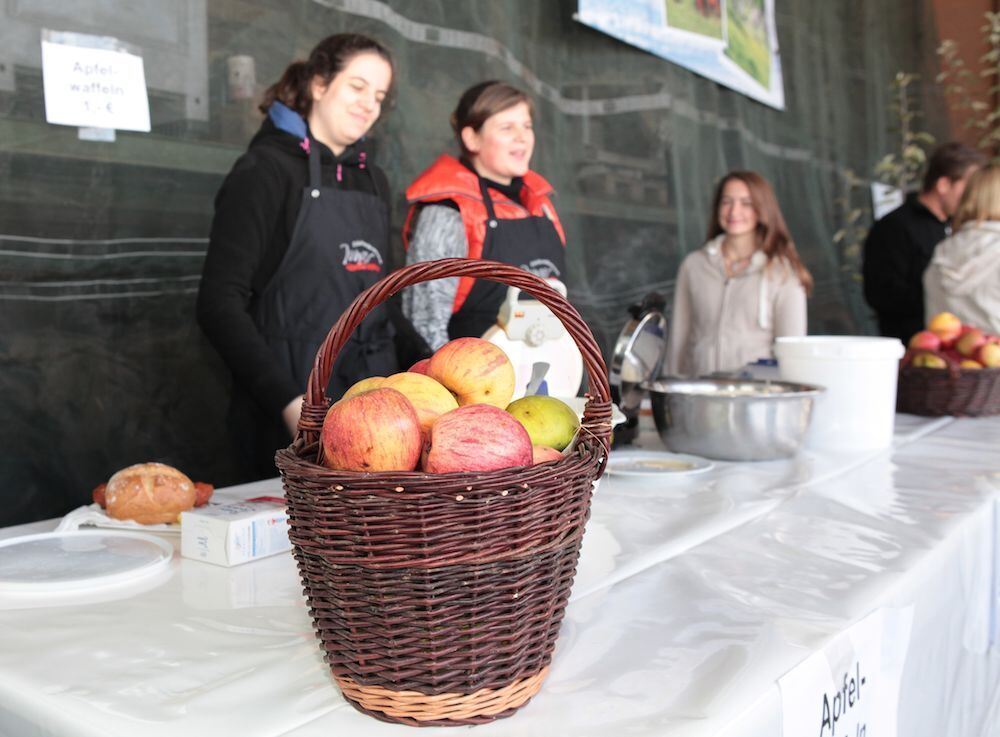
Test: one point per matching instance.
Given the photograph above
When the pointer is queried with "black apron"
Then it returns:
(531, 243)
(338, 248)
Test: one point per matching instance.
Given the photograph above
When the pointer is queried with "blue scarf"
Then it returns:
(286, 119)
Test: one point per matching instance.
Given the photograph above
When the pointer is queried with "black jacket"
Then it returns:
(255, 215)
(897, 250)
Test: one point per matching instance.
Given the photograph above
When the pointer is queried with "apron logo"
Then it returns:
(543, 268)
(361, 256)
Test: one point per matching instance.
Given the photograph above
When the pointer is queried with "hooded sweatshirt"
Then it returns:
(255, 215)
(964, 276)
(722, 323)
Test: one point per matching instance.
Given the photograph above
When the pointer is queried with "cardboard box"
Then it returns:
(235, 533)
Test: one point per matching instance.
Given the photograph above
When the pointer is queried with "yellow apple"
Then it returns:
(929, 360)
(365, 385)
(549, 421)
(475, 371)
(429, 398)
(945, 326)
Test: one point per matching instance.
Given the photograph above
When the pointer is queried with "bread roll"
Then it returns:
(149, 493)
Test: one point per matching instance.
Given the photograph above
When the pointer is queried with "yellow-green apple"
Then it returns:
(544, 454)
(968, 363)
(970, 342)
(945, 326)
(929, 360)
(549, 421)
(925, 340)
(989, 355)
(377, 430)
(477, 437)
(475, 371)
(365, 385)
(420, 367)
(428, 397)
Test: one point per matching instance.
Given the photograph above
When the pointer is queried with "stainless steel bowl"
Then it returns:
(732, 419)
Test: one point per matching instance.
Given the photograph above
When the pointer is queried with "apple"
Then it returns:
(549, 421)
(420, 367)
(968, 363)
(477, 437)
(945, 326)
(969, 343)
(925, 340)
(428, 397)
(475, 371)
(544, 454)
(989, 355)
(365, 385)
(929, 360)
(377, 430)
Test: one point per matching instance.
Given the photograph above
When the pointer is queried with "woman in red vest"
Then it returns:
(485, 204)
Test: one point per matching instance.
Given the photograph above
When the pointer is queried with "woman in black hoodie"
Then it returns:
(301, 227)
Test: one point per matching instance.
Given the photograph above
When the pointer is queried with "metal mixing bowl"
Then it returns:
(732, 419)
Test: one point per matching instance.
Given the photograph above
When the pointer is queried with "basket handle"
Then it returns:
(597, 411)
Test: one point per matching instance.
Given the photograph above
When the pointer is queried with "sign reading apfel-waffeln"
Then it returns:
(94, 88)
(851, 687)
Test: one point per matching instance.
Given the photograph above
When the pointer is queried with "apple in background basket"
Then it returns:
(968, 363)
(475, 371)
(477, 437)
(420, 367)
(929, 360)
(945, 326)
(428, 397)
(925, 340)
(544, 454)
(989, 355)
(377, 430)
(969, 343)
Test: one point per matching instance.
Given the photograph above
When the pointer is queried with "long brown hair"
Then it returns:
(773, 237)
(481, 102)
(326, 61)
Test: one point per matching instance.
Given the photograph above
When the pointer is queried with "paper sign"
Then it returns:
(851, 687)
(885, 199)
(94, 88)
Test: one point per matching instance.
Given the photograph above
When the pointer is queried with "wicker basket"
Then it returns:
(437, 598)
(951, 391)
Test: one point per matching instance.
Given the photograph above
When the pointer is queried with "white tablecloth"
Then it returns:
(692, 598)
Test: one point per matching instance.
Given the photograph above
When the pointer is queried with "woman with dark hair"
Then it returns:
(486, 204)
(301, 227)
(742, 289)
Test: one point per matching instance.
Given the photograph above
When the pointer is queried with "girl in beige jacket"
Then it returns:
(740, 291)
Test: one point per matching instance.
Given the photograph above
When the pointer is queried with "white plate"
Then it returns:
(655, 463)
(59, 562)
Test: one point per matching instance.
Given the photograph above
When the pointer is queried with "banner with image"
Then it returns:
(732, 42)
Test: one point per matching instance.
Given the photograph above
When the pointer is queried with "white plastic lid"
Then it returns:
(839, 347)
(60, 562)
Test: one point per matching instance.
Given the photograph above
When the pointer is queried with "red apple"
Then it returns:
(544, 454)
(377, 430)
(968, 343)
(989, 355)
(477, 437)
(420, 367)
(475, 371)
(925, 340)
(945, 326)
(428, 397)
(929, 360)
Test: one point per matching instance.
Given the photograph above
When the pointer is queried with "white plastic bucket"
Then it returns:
(858, 409)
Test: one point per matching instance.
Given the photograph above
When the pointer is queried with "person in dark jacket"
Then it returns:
(900, 246)
(301, 227)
